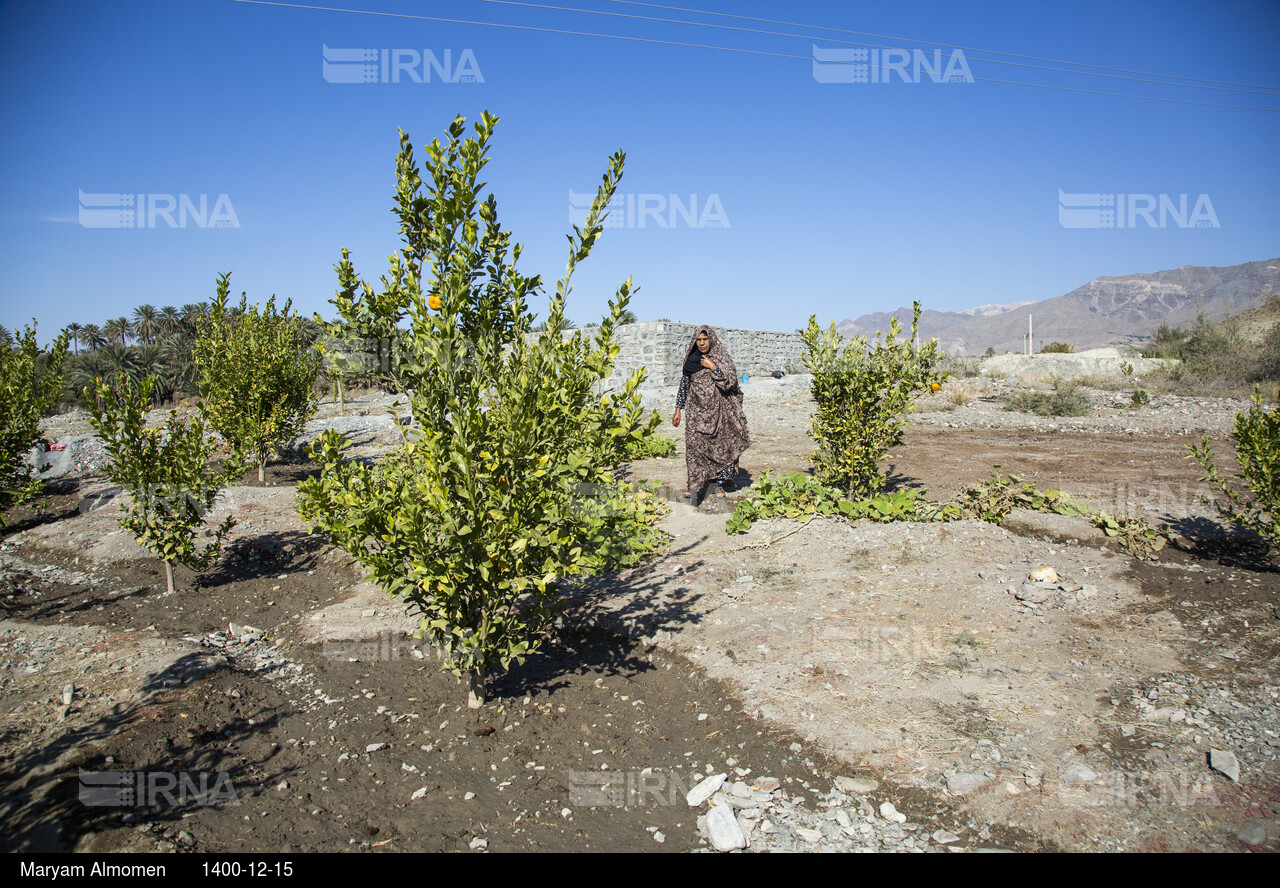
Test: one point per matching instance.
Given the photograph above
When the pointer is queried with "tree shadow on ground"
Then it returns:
(52, 794)
(1229, 546)
(263, 555)
(603, 624)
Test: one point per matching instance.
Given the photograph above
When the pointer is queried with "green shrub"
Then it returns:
(166, 472)
(1257, 443)
(796, 495)
(257, 377)
(1066, 399)
(1140, 398)
(1169, 342)
(30, 384)
(863, 395)
(1059, 348)
(503, 489)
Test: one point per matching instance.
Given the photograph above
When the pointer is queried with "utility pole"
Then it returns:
(1029, 334)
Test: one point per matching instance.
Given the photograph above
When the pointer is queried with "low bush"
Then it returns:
(1058, 348)
(1257, 442)
(1067, 399)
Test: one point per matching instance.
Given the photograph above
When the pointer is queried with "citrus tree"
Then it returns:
(502, 488)
(167, 473)
(257, 375)
(863, 393)
(1257, 440)
(30, 383)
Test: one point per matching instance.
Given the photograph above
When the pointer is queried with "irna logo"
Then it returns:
(397, 65)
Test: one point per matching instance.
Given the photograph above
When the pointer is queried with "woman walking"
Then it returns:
(716, 434)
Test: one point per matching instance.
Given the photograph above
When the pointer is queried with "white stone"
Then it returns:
(417, 794)
(1079, 773)
(722, 829)
(705, 789)
(1225, 762)
(890, 813)
(809, 835)
(856, 785)
(1044, 574)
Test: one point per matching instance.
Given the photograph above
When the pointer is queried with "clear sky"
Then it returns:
(774, 186)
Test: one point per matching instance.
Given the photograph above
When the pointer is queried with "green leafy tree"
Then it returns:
(1257, 441)
(30, 384)
(503, 487)
(863, 395)
(257, 378)
(166, 472)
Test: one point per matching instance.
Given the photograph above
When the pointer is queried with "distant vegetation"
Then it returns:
(1218, 359)
(1058, 348)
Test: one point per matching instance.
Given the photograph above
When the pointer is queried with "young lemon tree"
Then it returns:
(30, 382)
(166, 472)
(1257, 439)
(257, 378)
(503, 486)
(863, 395)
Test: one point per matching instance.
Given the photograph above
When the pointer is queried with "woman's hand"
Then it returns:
(675, 418)
(708, 363)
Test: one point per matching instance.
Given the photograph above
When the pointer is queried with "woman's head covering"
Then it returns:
(693, 357)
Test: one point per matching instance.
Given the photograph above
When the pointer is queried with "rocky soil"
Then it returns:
(826, 686)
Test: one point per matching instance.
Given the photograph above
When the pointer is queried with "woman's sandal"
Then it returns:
(719, 492)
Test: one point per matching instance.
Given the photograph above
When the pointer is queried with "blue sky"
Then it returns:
(832, 198)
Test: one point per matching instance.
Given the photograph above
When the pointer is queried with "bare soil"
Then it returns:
(801, 652)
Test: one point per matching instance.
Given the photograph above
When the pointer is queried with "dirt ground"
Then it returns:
(896, 654)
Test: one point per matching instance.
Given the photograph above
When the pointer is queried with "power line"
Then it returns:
(1268, 91)
(782, 55)
(947, 45)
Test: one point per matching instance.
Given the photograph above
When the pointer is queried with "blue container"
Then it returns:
(744, 377)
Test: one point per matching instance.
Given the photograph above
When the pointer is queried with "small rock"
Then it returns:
(1253, 834)
(478, 844)
(796, 747)
(740, 790)
(417, 794)
(185, 838)
(68, 694)
(856, 785)
(809, 835)
(1044, 574)
(705, 789)
(768, 784)
(1034, 593)
(468, 796)
(959, 784)
(1225, 763)
(374, 747)
(1079, 773)
(890, 813)
(722, 829)
(368, 613)
(1128, 730)
(282, 785)
(942, 837)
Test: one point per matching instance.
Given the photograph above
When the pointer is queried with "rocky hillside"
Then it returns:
(1105, 311)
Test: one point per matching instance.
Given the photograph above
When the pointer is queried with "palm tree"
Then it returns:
(74, 330)
(6, 338)
(93, 338)
(146, 322)
(118, 328)
(170, 320)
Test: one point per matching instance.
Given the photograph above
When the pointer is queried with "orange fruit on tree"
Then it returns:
(434, 302)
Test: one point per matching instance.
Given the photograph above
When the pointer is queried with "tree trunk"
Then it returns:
(168, 574)
(475, 693)
(262, 472)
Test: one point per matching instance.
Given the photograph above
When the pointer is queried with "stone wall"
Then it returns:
(659, 346)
